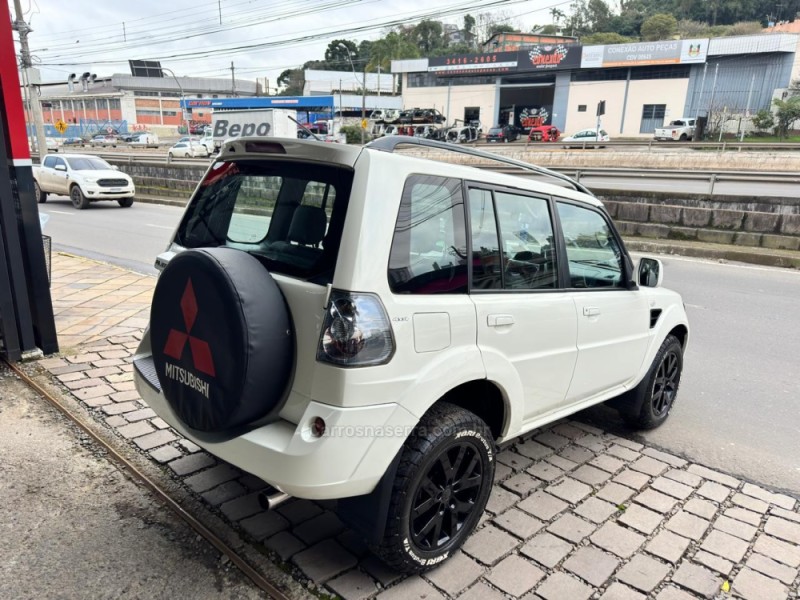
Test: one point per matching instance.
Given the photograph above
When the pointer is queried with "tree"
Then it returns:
(787, 112)
(763, 120)
(598, 15)
(392, 47)
(605, 38)
(659, 27)
(292, 81)
(469, 29)
(501, 28)
(339, 53)
(428, 36)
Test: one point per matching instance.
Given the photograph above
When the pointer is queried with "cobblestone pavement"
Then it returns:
(576, 513)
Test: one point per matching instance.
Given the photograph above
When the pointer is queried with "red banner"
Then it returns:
(9, 87)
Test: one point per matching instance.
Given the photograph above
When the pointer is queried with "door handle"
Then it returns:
(499, 320)
(591, 311)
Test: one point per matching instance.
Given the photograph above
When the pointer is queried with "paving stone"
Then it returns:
(592, 442)
(684, 477)
(754, 586)
(72, 376)
(707, 473)
(672, 488)
(783, 529)
(125, 386)
(632, 479)
(140, 415)
(514, 460)
(97, 402)
(413, 588)
(767, 566)
(561, 462)
(545, 471)
(570, 490)
(641, 518)
(735, 528)
(82, 358)
(623, 453)
(353, 585)
(783, 514)
(576, 454)
(191, 464)
(328, 559)
(618, 540)
(750, 503)
(552, 440)
(500, 500)
(590, 475)
(95, 391)
(211, 478)
(455, 574)
(673, 593)
(83, 382)
(190, 447)
(518, 523)
(650, 466)
(546, 549)
(153, 440)
(783, 552)
(534, 450)
(160, 423)
(515, 575)
(560, 586)
(108, 362)
(299, 511)
(501, 471)
(164, 454)
(326, 525)
(697, 579)
(569, 431)
(264, 524)
(489, 544)
(668, 546)
(353, 543)
(670, 459)
(714, 491)
(522, 484)
(571, 528)
(714, 562)
(241, 507)
(379, 570)
(615, 493)
(119, 421)
(724, 545)
(125, 396)
(687, 525)
(592, 565)
(52, 363)
(542, 505)
(70, 369)
(224, 493)
(643, 573)
(607, 463)
(701, 508)
(481, 591)
(595, 510)
(778, 499)
(617, 591)
(630, 444)
(135, 430)
(746, 516)
(586, 427)
(655, 500)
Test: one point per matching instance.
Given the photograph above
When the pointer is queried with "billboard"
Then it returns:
(543, 57)
(473, 64)
(645, 53)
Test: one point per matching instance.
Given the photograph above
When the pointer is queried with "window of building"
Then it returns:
(581, 108)
(599, 75)
(661, 72)
(433, 80)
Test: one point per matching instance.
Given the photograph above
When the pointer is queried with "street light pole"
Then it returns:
(363, 88)
(181, 102)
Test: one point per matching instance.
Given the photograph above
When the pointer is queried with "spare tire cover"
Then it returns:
(221, 338)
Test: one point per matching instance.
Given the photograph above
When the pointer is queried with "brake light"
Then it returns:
(355, 332)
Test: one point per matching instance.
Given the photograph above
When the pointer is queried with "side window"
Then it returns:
(486, 260)
(59, 161)
(49, 161)
(527, 242)
(254, 204)
(428, 254)
(595, 260)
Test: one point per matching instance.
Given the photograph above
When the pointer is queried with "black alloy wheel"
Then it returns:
(665, 386)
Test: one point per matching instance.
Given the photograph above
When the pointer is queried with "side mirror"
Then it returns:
(115, 167)
(60, 168)
(651, 272)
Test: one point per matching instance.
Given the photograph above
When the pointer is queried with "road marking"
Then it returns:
(60, 212)
(170, 227)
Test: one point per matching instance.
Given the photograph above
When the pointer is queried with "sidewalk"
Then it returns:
(576, 512)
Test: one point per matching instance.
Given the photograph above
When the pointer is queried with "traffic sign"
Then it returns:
(61, 126)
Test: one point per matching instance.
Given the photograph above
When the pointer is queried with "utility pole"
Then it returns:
(363, 104)
(233, 79)
(33, 93)
(219, 5)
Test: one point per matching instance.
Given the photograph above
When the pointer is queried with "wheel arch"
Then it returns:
(484, 399)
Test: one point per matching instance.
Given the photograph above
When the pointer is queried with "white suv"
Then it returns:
(352, 323)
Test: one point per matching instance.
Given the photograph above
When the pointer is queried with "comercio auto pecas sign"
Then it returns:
(645, 53)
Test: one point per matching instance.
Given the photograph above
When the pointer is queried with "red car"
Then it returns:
(544, 133)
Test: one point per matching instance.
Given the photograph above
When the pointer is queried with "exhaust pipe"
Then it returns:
(271, 498)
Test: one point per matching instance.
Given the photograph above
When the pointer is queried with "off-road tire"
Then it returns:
(79, 201)
(648, 405)
(125, 202)
(446, 432)
(41, 197)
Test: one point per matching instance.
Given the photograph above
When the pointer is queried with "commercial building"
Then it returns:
(642, 84)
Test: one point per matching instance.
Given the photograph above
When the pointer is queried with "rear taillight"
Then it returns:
(355, 332)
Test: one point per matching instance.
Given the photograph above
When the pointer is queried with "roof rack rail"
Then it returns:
(390, 143)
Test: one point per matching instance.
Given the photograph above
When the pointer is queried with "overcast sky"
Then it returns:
(261, 37)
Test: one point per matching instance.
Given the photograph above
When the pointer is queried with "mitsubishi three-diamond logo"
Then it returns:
(176, 341)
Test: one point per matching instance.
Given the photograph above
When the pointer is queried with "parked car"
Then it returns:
(502, 133)
(74, 141)
(400, 354)
(544, 133)
(103, 140)
(190, 149)
(461, 135)
(430, 132)
(144, 139)
(387, 115)
(84, 178)
(585, 136)
(678, 130)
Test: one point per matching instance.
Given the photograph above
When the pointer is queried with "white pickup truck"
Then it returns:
(82, 177)
(680, 130)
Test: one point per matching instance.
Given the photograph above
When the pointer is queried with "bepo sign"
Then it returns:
(224, 129)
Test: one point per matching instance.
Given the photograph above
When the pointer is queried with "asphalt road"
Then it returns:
(738, 404)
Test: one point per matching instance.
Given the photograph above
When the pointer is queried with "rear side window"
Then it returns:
(428, 254)
(288, 215)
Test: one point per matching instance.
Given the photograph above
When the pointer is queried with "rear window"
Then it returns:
(495, 130)
(288, 215)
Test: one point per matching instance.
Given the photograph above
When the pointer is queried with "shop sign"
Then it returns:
(473, 64)
(549, 57)
(645, 53)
